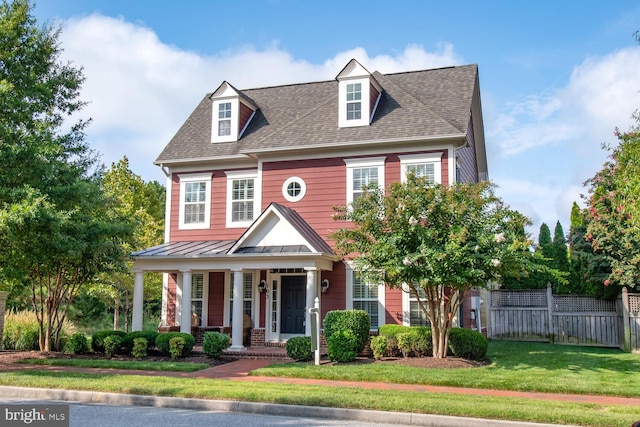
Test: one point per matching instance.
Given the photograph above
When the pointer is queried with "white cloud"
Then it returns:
(141, 90)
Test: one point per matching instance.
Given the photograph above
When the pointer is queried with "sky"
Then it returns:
(556, 77)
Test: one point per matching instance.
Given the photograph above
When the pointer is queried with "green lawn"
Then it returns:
(176, 366)
(515, 366)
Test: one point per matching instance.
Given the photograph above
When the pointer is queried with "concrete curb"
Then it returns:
(259, 408)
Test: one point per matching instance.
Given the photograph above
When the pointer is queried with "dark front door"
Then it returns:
(294, 296)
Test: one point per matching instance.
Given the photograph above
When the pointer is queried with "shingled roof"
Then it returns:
(413, 106)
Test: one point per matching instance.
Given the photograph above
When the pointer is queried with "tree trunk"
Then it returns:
(116, 314)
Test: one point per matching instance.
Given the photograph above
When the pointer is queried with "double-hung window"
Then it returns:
(363, 173)
(417, 316)
(422, 165)
(242, 198)
(365, 296)
(195, 201)
(354, 101)
(198, 297)
(224, 119)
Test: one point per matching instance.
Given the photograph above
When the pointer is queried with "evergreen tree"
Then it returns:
(559, 249)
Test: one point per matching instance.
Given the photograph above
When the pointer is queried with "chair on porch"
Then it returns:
(246, 328)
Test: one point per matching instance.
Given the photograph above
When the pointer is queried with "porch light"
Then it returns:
(324, 286)
(262, 286)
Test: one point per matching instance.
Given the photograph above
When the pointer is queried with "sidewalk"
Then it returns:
(239, 370)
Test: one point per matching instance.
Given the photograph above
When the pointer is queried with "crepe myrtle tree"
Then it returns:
(443, 240)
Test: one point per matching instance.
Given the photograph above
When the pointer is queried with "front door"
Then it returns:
(294, 296)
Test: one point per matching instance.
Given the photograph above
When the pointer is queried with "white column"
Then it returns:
(165, 299)
(138, 296)
(312, 292)
(185, 315)
(237, 331)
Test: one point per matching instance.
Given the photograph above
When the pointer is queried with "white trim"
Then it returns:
(365, 94)
(451, 158)
(235, 113)
(423, 158)
(205, 295)
(349, 294)
(201, 177)
(366, 162)
(167, 208)
(285, 189)
(257, 192)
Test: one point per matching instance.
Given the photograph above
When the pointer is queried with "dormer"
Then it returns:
(359, 94)
(231, 113)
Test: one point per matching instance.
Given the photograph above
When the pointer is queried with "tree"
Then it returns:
(560, 260)
(55, 231)
(613, 221)
(443, 240)
(544, 241)
(143, 204)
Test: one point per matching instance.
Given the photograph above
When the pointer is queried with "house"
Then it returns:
(252, 178)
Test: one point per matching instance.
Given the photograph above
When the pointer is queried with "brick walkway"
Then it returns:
(239, 371)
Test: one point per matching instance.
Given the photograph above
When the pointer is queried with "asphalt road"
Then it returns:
(100, 415)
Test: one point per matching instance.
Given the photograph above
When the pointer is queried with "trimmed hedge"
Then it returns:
(392, 330)
(299, 348)
(355, 321)
(128, 340)
(214, 343)
(468, 344)
(97, 339)
(163, 342)
(341, 346)
(76, 344)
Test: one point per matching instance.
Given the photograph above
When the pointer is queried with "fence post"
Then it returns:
(550, 313)
(487, 307)
(626, 325)
(3, 302)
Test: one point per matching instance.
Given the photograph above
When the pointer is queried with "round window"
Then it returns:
(294, 189)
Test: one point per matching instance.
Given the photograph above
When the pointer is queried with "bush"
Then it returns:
(214, 343)
(356, 321)
(299, 348)
(176, 347)
(162, 342)
(468, 344)
(77, 344)
(112, 345)
(392, 330)
(97, 339)
(342, 346)
(140, 346)
(128, 340)
(379, 346)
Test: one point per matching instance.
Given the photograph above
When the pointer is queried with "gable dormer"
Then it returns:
(359, 94)
(231, 113)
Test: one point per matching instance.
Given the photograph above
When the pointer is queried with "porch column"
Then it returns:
(165, 299)
(312, 292)
(238, 318)
(185, 315)
(138, 294)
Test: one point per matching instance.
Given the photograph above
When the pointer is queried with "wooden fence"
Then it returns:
(538, 315)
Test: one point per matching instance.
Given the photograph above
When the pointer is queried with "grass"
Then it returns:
(120, 364)
(515, 366)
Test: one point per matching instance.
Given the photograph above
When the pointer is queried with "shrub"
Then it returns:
(379, 346)
(299, 348)
(392, 330)
(342, 346)
(214, 343)
(176, 347)
(129, 338)
(468, 344)
(112, 345)
(77, 344)
(139, 349)
(97, 339)
(356, 321)
(162, 342)
(405, 342)
(423, 342)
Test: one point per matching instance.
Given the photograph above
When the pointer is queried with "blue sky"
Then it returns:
(556, 77)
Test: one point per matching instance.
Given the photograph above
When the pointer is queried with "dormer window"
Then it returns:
(359, 94)
(232, 113)
(224, 119)
(354, 104)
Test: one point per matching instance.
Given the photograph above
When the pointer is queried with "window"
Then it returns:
(294, 189)
(354, 104)
(362, 173)
(242, 195)
(195, 197)
(417, 317)
(247, 296)
(224, 119)
(365, 297)
(422, 165)
(197, 297)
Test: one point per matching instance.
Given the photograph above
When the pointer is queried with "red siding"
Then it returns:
(373, 96)
(393, 306)
(335, 298)
(216, 299)
(245, 114)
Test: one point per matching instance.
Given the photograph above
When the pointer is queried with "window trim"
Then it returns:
(285, 189)
(419, 159)
(190, 178)
(365, 108)
(368, 162)
(232, 118)
(205, 296)
(349, 295)
(238, 175)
